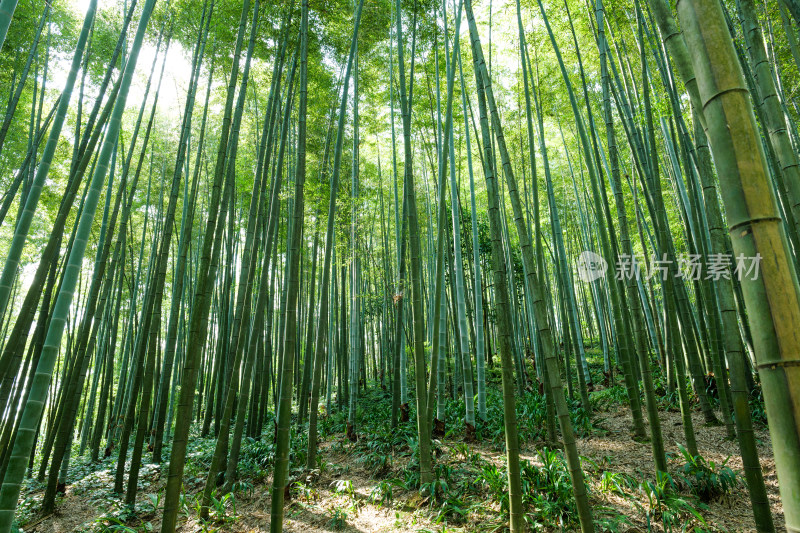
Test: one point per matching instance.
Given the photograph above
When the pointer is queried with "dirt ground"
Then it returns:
(324, 508)
(623, 454)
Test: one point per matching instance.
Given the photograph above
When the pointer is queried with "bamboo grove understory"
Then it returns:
(233, 220)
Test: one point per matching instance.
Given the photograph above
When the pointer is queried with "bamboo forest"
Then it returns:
(399, 265)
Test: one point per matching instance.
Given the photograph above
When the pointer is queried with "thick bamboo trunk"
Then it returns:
(773, 298)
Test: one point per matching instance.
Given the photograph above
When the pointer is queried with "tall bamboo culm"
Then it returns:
(756, 230)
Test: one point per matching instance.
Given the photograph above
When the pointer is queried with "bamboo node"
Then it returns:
(773, 364)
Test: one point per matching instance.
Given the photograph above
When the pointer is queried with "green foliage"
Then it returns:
(127, 519)
(531, 418)
(547, 491)
(343, 486)
(305, 491)
(467, 489)
(257, 456)
(668, 398)
(383, 493)
(666, 505)
(670, 401)
(338, 519)
(27, 509)
(615, 483)
(114, 524)
(705, 478)
(375, 455)
(453, 508)
(605, 399)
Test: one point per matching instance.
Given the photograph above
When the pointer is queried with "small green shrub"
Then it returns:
(665, 504)
(338, 519)
(704, 478)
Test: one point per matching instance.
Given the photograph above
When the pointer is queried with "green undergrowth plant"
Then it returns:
(704, 478)
(338, 519)
(343, 486)
(257, 456)
(119, 517)
(27, 509)
(531, 418)
(126, 520)
(223, 509)
(304, 491)
(606, 399)
(383, 493)
(666, 505)
(546, 487)
(669, 401)
(617, 483)
(547, 491)
(660, 502)
(667, 394)
(113, 524)
(464, 481)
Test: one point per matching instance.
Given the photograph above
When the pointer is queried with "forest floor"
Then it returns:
(369, 486)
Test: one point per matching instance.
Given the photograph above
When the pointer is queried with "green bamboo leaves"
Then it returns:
(26, 218)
